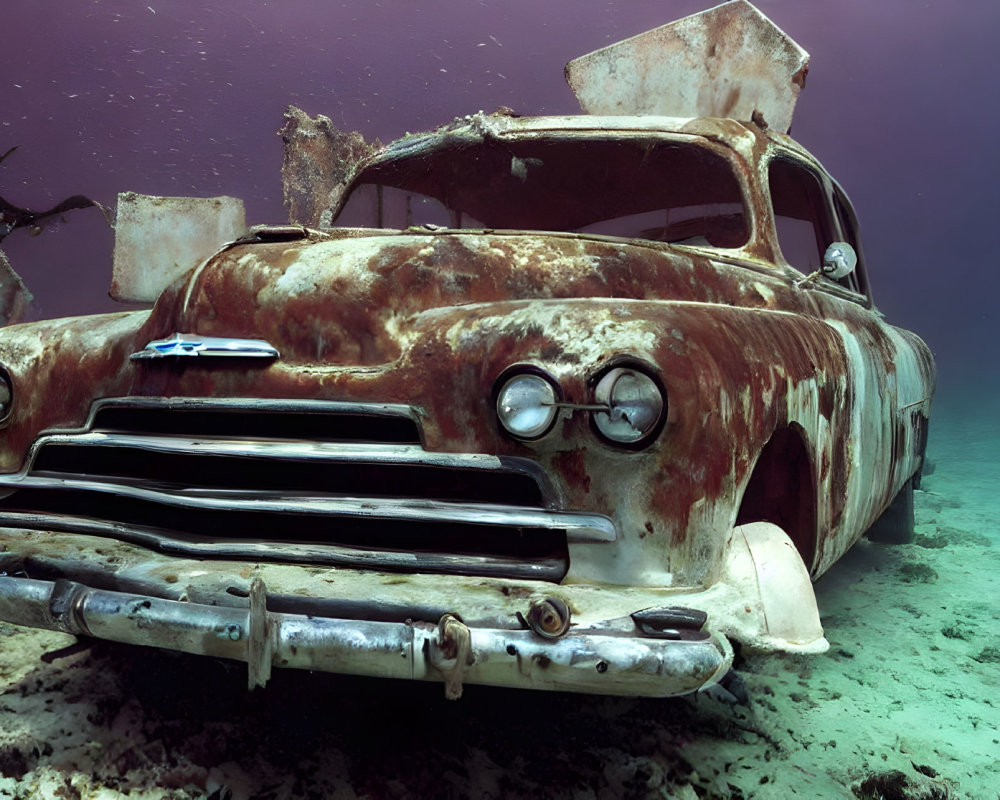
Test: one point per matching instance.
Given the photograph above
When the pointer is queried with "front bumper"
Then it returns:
(370, 554)
(592, 661)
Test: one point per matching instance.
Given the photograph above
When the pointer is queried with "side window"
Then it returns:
(801, 215)
(857, 281)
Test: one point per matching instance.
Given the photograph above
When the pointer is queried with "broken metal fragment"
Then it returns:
(158, 239)
(730, 61)
(14, 295)
(318, 164)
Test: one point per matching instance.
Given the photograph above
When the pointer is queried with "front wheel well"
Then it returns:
(782, 490)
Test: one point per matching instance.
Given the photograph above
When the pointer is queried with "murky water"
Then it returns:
(184, 98)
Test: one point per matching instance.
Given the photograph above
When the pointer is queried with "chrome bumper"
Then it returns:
(590, 661)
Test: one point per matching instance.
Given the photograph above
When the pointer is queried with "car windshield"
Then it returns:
(635, 187)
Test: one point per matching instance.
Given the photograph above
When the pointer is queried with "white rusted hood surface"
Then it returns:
(728, 61)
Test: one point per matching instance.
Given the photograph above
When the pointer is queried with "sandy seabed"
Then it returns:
(905, 703)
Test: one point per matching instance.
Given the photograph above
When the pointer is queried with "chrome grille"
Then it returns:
(336, 484)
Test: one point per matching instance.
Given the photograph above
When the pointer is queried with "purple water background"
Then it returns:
(185, 98)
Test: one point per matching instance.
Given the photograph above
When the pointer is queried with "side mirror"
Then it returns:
(839, 260)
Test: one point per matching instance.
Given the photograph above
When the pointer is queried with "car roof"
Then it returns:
(741, 136)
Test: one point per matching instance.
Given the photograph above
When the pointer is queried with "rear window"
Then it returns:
(636, 188)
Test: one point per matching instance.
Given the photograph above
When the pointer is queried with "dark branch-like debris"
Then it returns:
(13, 217)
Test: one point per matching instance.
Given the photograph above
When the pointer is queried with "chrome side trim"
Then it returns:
(193, 345)
(579, 526)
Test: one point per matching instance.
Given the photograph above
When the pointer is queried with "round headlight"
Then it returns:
(636, 406)
(526, 405)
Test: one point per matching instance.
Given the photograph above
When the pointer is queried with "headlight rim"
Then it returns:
(500, 383)
(5, 414)
(647, 370)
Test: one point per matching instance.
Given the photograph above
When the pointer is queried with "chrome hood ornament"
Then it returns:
(190, 344)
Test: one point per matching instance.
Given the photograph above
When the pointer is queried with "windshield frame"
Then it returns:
(456, 139)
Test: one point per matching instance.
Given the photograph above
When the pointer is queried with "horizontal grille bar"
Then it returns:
(527, 566)
(328, 467)
(578, 526)
(319, 420)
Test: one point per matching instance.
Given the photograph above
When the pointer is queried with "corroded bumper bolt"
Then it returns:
(549, 617)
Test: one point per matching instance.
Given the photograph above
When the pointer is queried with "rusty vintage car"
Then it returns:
(557, 403)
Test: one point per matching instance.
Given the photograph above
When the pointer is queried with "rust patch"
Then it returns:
(572, 466)
(431, 320)
(318, 163)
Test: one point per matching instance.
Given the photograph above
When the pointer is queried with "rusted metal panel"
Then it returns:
(158, 239)
(729, 61)
(319, 162)
(14, 295)
(58, 367)
(385, 326)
